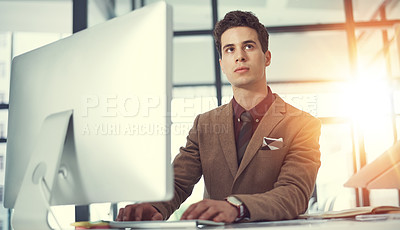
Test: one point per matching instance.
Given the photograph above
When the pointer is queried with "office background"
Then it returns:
(336, 59)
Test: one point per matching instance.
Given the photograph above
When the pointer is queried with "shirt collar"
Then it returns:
(258, 111)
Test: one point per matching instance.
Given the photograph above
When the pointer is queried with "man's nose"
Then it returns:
(241, 56)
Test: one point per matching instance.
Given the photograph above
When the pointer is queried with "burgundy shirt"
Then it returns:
(257, 112)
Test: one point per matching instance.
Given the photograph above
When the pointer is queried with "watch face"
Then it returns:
(235, 201)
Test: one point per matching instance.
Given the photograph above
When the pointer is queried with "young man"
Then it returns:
(265, 165)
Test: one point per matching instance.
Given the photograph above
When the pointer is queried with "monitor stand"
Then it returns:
(32, 205)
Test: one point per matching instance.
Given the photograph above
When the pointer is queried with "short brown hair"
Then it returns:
(240, 18)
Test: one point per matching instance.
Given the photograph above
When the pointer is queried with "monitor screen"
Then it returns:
(91, 115)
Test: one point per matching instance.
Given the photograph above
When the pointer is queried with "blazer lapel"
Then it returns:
(227, 139)
(273, 116)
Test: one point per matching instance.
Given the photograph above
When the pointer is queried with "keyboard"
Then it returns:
(164, 224)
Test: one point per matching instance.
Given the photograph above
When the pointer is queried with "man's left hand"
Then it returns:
(215, 210)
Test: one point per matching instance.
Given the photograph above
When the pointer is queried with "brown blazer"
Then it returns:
(273, 184)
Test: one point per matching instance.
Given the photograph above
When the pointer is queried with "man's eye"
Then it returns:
(229, 50)
(248, 46)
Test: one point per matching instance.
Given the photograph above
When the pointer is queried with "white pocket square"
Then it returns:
(272, 143)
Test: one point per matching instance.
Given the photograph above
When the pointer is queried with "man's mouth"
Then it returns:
(241, 69)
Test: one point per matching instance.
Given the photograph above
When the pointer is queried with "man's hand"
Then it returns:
(215, 210)
(138, 212)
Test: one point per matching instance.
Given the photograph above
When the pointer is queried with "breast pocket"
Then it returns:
(272, 153)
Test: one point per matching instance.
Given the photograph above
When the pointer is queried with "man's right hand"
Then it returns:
(138, 212)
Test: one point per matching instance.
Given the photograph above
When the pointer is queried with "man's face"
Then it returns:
(242, 59)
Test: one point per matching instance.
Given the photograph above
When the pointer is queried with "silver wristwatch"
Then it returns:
(232, 200)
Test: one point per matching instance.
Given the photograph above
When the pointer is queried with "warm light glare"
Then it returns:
(366, 100)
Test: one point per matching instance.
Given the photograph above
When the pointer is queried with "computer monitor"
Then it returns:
(89, 118)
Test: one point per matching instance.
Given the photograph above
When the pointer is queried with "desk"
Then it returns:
(318, 224)
(332, 224)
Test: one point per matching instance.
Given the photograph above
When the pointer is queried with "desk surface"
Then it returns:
(319, 224)
(333, 224)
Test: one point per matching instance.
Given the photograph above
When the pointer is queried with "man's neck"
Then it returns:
(250, 98)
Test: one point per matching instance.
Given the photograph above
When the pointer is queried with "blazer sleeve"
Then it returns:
(295, 184)
(187, 172)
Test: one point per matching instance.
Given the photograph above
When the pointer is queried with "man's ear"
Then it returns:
(220, 64)
(267, 58)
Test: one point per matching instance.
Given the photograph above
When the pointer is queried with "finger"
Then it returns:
(138, 214)
(126, 213)
(188, 210)
(120, 214)
(208, 214)
(148, 212)
(197, 211)
(157, 216)
(222, 217)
